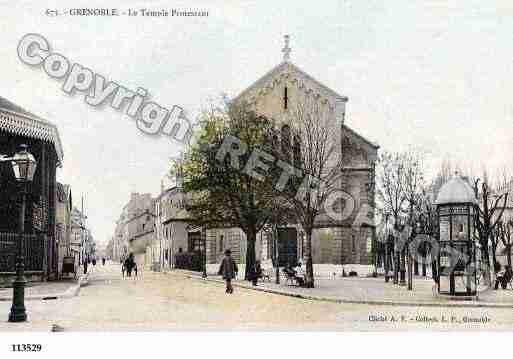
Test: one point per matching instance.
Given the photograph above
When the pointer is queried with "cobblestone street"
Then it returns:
(156, 301)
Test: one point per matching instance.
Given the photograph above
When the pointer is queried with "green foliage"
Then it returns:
(224, 195)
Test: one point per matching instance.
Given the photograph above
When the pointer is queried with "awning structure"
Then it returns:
(17, 121)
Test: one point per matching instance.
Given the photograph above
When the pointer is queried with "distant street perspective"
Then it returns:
(179, 301)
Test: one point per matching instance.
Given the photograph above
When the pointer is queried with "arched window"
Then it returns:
(285, 141)
(276, 142)
(296, 149)
(285, 98)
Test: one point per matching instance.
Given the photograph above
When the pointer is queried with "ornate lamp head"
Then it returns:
(24, 165)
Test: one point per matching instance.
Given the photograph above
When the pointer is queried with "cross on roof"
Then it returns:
(286, 49)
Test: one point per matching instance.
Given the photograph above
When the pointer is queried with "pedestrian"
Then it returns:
(103, 261)
(85, 266)
(126, 266)
(255, 273)
(135, 269)
(123, 268)
(129, 264)
(228, 269)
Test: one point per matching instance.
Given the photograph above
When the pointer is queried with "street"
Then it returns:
(158, 301)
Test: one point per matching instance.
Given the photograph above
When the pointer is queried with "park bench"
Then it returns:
(293, 279)
(505, 279)
(264, 274)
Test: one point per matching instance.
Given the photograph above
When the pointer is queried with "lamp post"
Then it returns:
(204, 235)
(276, 253)
(24, 166)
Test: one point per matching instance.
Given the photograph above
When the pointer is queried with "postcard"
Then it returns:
(214, 166)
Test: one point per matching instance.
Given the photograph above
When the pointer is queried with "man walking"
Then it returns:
(123, 268)
(129, 264)
(228, 269)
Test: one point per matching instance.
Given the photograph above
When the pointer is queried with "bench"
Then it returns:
(293, 279)
(264, 275)
(505, 279)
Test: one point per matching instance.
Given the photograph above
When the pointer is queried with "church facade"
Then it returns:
(338, 242)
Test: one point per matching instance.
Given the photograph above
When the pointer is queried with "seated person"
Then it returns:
(503, 277)
(293, 274)
(289, 270)
(258, 269)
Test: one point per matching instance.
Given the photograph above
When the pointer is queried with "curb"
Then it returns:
(355, 301)
(73, 291)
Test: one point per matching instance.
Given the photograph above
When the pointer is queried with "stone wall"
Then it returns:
(233, 239)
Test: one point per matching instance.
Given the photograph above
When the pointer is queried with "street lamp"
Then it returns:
(277, 252)
(204, 235)
(24, 166)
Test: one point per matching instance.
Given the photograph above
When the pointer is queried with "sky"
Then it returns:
(430, 74)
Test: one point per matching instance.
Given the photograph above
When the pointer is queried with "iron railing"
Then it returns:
(34, 249)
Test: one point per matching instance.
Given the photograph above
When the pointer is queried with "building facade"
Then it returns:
(17, 127)
(134, 232)
(63, 223)
(81, 240)
(172, 226)
(346, 241)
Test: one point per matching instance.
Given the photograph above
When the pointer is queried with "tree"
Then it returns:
(413, 184)
(429, 226)
(489, 214)
(310, 139)
(391, 172)
(505, 235)
(223, 169)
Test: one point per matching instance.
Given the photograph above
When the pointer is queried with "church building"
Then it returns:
(272, 96)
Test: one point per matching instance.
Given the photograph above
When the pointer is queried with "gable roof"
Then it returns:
(356, 134)
(165, 192)
(19, 122)
(287, 66)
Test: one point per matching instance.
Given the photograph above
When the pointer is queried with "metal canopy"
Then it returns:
(17, 121)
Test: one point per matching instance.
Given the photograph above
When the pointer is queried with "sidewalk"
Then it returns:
(65, 288)
(372, 291)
